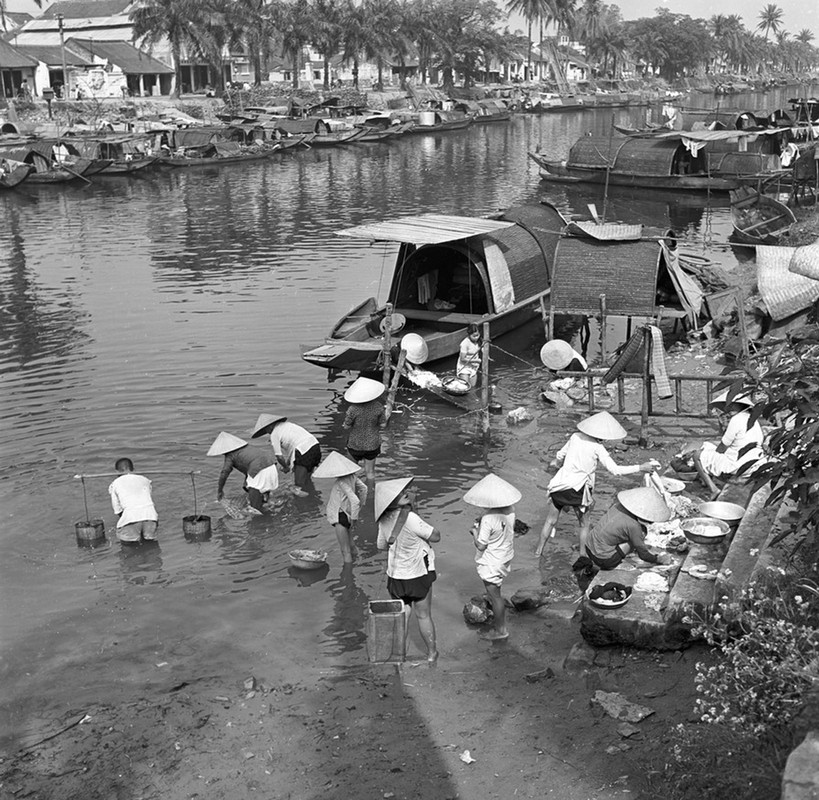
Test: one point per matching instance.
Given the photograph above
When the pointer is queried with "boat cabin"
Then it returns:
(450, 271)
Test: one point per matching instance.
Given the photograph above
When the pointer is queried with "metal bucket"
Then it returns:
(386, 623)
(426, 118)
(90, 533)
(196, 527)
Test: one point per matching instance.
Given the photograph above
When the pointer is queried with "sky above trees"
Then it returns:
(797, 14)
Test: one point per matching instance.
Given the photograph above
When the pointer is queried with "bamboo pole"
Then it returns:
(386, 346)
(485, 387)
(82, 477)
(544, 315)
(603, 310)
(646, 388)
(399, 368)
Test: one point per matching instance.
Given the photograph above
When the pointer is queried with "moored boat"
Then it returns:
(40, 156)
(440, 121)
(759, 218)
(687, 160)
(449, 271)
(13, 173)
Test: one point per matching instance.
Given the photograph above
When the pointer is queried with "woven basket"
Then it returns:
(784, 292)
(805, 261)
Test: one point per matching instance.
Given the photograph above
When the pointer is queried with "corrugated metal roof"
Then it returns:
(124, 55)
(52, 55)
(425, 229)
(85, 9)
(13, 58)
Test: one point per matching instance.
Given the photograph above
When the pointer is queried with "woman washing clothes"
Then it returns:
(365, 419)
(740, 446)
(558, 355)
(573, 484)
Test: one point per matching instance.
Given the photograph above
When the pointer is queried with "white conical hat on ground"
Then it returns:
(645, 503)
(492, 492)
(415, 347)
(335, 466)
(722, 397)
(602, 426)
(225, 443)
(362, 390)
(265, 421)
(387, 491)
(557, 354)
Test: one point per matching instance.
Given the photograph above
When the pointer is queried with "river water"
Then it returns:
(142, 316)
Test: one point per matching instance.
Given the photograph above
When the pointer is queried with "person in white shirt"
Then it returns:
(293, 446)
(739, 448)
(411, 560)
(347, 497)
(493, 535)
(133, 504)
(572, 486)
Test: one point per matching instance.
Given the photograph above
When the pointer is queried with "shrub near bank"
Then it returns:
(757, 699)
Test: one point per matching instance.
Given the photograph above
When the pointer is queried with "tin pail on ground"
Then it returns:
(196, 527)
(90, 533)
(426, 118)
(386, 626)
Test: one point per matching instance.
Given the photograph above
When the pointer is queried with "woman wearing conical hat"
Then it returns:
(741, 444)
(572, 486)
(293, 446)
(257, 464)
(493, 536)
(411, 559)
(348, 495)
(365, 419)
(621, 529)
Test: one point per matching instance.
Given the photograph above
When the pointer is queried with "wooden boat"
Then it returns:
(485, 111)
(218, 154)
(759, 218)
(449, 271)
(13, 173)
(125, 153)
(40, 157)
(440, 121)
(127, 166)
(660, 161)
(322, 132)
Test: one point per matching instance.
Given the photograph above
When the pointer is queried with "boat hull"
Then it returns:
(210, 162)
(16, 176)
(123, 167)
(759, 218)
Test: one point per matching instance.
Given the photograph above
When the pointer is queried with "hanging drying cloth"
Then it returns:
(658, 366)
(693, 146)
(424, 294)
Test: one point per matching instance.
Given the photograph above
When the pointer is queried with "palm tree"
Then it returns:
(530, 10)
(293, 22)
(3, 11)
(353, 35)
(180, 22)
(327, 32)
(770, 19)
(805, 36)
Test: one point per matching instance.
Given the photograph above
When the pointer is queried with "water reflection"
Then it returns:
(141, 563)
(346, 627)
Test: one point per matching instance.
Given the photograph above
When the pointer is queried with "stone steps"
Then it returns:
(662, 621)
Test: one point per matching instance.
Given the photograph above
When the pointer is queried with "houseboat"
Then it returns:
(449, 271)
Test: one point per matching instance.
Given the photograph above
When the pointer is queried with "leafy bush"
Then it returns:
(769, 647)
(755, 691)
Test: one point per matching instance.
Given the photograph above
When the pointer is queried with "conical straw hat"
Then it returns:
(397, 322)
(387, 491)
(225, 443)
(415, 347)
(492, 492)
(602, 426)
(362, 390)
(335, 466)
(265, 421)
(645, 503)
(722, 397)
(557, 354)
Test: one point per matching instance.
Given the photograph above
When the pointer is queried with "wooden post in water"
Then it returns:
(544, 315)
(387, 346)
(485, 387)
(399, 368)
(603, 328)
(646, 387)
(743, 330)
